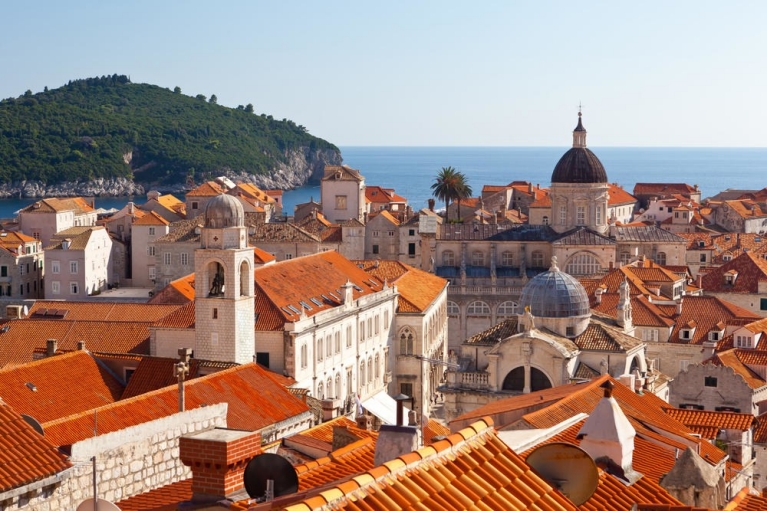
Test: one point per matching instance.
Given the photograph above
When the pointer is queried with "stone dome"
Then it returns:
(555, 294)
(579, 164)
(224, 211)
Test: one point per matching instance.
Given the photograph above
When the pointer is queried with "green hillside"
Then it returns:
(89, 128)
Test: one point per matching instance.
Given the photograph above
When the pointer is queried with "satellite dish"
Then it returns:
(568, 468)
(270, 466)
(103, 505)
(34, 423)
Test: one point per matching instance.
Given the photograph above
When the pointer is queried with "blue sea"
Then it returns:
(411, 170)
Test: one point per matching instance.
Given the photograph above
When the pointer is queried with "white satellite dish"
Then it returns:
(103, 505)
(568, 468)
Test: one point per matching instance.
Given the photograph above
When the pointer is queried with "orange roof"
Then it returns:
(254, 397)
(745, 500)
(663, 189)
(164, 498)
(99, 311)
(751, 269)
(262, 256)
(11, 240)
(353, 459)
(153, 373)
(433, 430)
(382, 195)
(310, 284)
(745, 208)
(53, 205)
(208, 189)
(470, 469)
(384, 213)
(26, 455)
(44, 400)
(707, 312)
(418, 289)
(731, 358)
(150, 218)
(721, 420)
(617, 195)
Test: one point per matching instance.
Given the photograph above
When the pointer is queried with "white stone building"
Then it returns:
(145, 230)
(342, 192)
(78, 263)
(46, 217)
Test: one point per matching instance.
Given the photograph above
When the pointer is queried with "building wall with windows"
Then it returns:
(21, 267)
(342, 192)
(715, 387)
(79, 266)
(143, 252)
(382, 237)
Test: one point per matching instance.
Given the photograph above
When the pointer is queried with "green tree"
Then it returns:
(463, 191)
(177, 89)
(249, 108)
(213, 99)
(445, 185)
(201, 97)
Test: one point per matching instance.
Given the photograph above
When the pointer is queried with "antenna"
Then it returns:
(270, 467)
(568, 468)
(34, 423)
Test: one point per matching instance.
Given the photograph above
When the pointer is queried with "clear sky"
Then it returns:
(470, 73)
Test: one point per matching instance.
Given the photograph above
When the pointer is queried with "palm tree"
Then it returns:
(445, 185)
(462, 191)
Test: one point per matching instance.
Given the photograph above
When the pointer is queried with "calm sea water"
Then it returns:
(411, 170)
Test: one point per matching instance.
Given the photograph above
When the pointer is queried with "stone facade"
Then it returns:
(714, 387)
(129, 462)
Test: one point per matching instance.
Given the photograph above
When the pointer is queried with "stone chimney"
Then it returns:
(679, 306)
(598, 292)
(348, 294)
(608, 437)
(695, 482)
(81, 345)
(364, 422)
(395, 441)
(50, 347)
(431, 204)
(218, 458)
(530, 188)
(699, 281)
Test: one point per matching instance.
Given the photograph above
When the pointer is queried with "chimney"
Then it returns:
(364, 422)
(699, 281)
(608, 436)
(431, 204)
(530, 187)
(81, 345)
(218, 458)
(50, 347)
(348, 289)
(395, 441)
(679, 306)
(695, 482)
(598, 295)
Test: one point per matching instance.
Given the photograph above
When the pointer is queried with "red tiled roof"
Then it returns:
(731, 359)
(150, 218)
(350, 460)
(617, 195)
(433, 430)
(663, 189)
(721, 420)
(745, 500)
(255, 401)
(183, 317)
(208, 189)
(164, 498)
(707, 312)
(103, 311)
(418, 289)
(262, 256)
(177, 292)
(751, 269)
(50, 378)
(760, 431)
(25, 455)
(153, 373)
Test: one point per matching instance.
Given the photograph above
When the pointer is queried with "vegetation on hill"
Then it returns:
(110, 127)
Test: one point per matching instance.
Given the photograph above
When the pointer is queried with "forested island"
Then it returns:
(115, 137)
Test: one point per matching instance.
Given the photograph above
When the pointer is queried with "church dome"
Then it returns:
(555, 294)
(579, 164)
(224, 211)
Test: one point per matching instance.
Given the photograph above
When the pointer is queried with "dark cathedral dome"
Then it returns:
(224, 211)
(579, 164)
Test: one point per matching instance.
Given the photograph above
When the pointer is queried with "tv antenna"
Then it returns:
(269, 475)
(568, 468)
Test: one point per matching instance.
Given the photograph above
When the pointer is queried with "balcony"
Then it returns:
(468, 380)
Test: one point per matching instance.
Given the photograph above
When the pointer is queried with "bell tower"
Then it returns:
(224, 287)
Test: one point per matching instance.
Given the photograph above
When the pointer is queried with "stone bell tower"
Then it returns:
(224, 287)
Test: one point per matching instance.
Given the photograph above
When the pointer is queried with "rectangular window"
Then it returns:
(411, 249)
(763, 304)
(391, 234)
(151, 231)
(73, 288)
(152, 273)
(376, 234)
(55, 287)
(562, 215)
(580, 215)
(184, 259)
(406, 388)
(4, 271)
(167, 258)
(411, 232)
(73, 267)
(340, 201)
(362, 331)
(288, 256)
(150, 251)
(599, 215)
(320, 350)
(709, 381)
(375, 249)
(195, 205)
(215, 313)
(337, 338)
(303, 356)
(262, 359)
(21, 269)
(348, 336)
(703, 258)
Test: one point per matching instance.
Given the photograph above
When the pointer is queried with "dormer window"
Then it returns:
(744, 341)
(701, 244)
(727, 257)
(714, 335)
(685, 334)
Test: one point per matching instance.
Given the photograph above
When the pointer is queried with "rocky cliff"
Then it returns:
(303, 166)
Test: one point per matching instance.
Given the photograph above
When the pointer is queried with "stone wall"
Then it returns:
(129, 462)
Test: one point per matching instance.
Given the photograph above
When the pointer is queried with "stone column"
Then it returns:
(463, 263)
(492, 263)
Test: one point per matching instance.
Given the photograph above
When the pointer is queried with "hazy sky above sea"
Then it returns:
(418, 73)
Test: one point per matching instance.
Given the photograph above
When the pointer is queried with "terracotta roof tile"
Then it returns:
(154, 373)
(76, 370)
(103, 311)
(745, 500)
(663, 189)
(721, 420)
(179, 291)
(78, 237)
(600, 337)
(207, 189)
(353, 459)
(433, 430)
(150, 218)
(418, 289)
(262, 256)
(255, 401)
(707, 312)
(750, 268)
(760, 431)
(26, 455)
(731, 359)
(53, 204)
(164, 498)
(341, 172)
(617, 195)
(494, 334)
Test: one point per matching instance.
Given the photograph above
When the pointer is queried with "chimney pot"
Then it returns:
(81, 345)
(50, 347)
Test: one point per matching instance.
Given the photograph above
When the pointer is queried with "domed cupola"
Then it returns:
(557, 301)
(579, 164)
(224, 211)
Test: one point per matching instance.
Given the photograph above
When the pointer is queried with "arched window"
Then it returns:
(507, 258)
(406, 342)
(246, 278)
(453, 309)
(320, 350)
(320, 391)
(370, 369)
(536, 259)
(660, 258)
(583, 264)
(507, 309)
(478, 308)
(216, 279)
(448, 258)
(338, 386)
(515, 380)
(477, 258)
(377, 367)
(545, 220)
